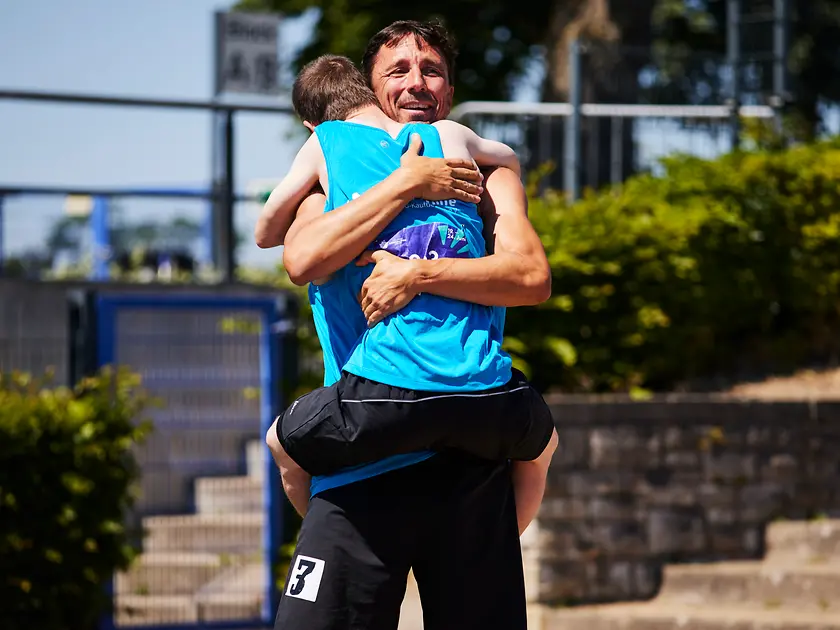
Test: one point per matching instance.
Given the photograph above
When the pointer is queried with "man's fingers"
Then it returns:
(373, 318)
(467, 187)
(462, 195)
(467, 174)
(461, 163)
(365, 259)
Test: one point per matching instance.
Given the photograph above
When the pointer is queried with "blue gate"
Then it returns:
(210, 501)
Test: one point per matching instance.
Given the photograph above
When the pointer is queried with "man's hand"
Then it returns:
(437, 179)
(388, 288)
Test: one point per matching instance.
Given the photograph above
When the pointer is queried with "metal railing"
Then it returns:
(221, 194)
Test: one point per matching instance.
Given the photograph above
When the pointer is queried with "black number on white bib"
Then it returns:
(305, 578)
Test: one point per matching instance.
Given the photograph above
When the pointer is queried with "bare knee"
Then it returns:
(544, 459)
(271, 439)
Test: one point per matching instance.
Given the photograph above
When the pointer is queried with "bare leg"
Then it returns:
(529, 484)
(295, 480)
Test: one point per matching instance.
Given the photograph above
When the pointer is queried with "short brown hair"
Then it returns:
(431, 33)
(330, 88)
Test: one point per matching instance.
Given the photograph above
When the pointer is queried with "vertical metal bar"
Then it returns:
(592, 155)
(270, 376)
(101, 238)
(780, 52)
(573, 126)
(226, 238)
(2, 237)
(617, 150)
(212, 223)
(733, 57)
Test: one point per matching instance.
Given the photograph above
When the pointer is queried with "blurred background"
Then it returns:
(682, 160)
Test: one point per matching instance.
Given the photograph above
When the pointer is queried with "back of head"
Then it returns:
(429, 33)
(330, 88)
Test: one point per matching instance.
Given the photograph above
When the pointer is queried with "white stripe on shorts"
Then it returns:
(454, 395)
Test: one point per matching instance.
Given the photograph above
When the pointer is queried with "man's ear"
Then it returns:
(309, 126)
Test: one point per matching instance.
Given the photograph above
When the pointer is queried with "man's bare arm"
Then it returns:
(318, 247)
(515, 273)
(279, 210)
(485, 152)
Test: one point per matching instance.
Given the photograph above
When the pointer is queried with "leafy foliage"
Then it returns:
(66, 478)
(714, 268)
(691, 41)
(496, 38)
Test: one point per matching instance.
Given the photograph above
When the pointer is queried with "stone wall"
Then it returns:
(634, 485)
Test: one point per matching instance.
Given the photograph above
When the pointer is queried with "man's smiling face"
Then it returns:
(411, 81)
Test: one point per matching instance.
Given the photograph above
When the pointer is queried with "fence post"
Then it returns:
(617, 149)
(227, 236)
(780, 51)
(100, 235)
(733, 57)
(2, 251)
(224, 241)
(573, 125)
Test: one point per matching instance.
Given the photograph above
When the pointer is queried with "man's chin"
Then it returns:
(418, 115)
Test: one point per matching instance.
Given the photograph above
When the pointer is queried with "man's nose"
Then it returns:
(416, 80)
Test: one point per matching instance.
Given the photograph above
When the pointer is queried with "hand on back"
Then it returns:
(437, 179)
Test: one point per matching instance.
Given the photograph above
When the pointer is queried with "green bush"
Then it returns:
(66, 479)
(716, 268)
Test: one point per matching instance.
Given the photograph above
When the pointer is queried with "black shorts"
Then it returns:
(356, 421)
(451, 519)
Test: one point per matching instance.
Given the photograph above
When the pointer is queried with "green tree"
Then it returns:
(691, 42)
(497, 39)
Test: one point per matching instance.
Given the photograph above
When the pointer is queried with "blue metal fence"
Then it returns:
(210, 501)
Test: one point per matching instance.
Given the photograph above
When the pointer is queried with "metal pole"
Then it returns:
(214, 207)
(100, 269)
(780, 52)
(225, 234)
(573, 125)
(2, 251)
(733, 57)
(617, 150)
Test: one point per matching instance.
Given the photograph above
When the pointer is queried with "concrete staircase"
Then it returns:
(797, 586)
(206, 566)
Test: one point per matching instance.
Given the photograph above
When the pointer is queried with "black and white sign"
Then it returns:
(246, 53)
(305, 578)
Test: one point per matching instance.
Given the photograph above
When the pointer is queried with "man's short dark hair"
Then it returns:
(330, 88)
(430, 32)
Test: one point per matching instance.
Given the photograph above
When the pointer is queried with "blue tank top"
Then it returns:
(435, 343)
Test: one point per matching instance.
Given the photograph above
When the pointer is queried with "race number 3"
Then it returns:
(305, 578)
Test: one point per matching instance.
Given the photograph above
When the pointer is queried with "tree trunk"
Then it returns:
(610, 75)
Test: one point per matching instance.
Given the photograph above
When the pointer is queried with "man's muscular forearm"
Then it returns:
(319, 243)
(514, 273)
(501, 279)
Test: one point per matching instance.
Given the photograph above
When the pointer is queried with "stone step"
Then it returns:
(808, 541)
(659, 616)
(229, 606)
(256, 458)
(245, 579)
(152, 610)
(240, 534)
(148, 610)
(228, 495)
(762, 584)
(169, 573)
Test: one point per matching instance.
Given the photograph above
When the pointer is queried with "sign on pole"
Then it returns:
(246, 53)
